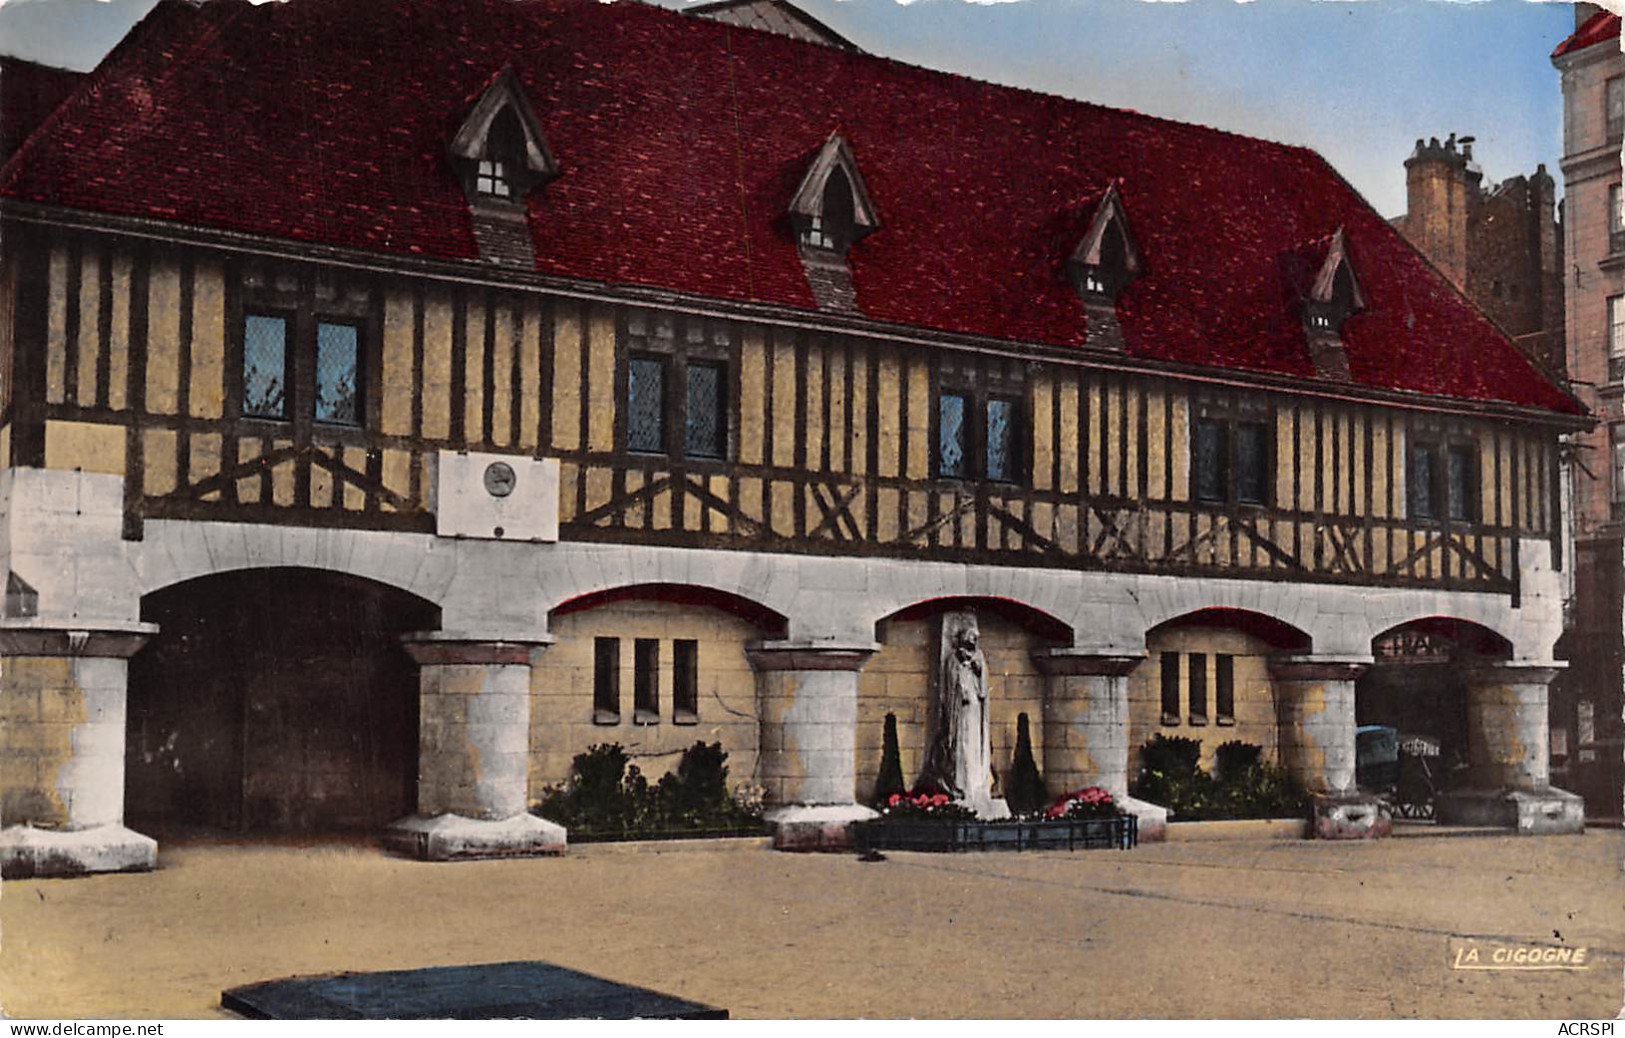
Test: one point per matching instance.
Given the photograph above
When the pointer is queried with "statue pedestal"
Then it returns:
(987, 808)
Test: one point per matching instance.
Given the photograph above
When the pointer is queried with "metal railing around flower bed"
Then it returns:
(1060, 834)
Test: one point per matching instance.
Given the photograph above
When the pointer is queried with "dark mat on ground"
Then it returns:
(496, 991)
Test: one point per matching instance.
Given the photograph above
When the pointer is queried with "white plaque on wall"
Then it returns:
(504, 497)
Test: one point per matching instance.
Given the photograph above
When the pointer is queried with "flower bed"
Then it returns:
(1060, 834)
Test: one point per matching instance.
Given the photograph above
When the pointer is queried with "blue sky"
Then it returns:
(1358, 81)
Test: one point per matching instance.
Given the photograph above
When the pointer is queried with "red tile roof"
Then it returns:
(681, 142)
(28, 93)
(1604, 25)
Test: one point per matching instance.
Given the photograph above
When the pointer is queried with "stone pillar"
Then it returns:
(62, 727)
(1314, 713)
(473, 752)
(1508, 778)
(807, 704)
(1085, 729)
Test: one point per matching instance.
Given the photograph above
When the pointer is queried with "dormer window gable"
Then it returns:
(832, 209)
(499, 150)
(1332, 298)
(1107, 258)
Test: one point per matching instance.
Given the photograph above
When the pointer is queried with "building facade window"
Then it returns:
(1224, 688)
(1616, 220)
(705, 424)
(331, 389)
(265, 366)
(685, 681)
(1197, 662)
(979, 436)
(1231, 462)
(677, 396)
(1170, 688)
(1616, 452)
(1441, 481)
(1616, 338)
(646, 405)
(606, 681)
(646, 681)
(1615, 90)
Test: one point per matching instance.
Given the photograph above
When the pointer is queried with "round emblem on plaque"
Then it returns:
(499, 479)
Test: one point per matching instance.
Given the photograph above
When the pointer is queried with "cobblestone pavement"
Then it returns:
(1226, 929)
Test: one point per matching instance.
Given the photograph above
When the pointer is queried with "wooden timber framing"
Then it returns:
(831, 436)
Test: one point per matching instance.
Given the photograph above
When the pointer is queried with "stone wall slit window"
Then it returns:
(646, 405)
(265, 366)
(1224, 688)
(685, 684)
(646, 681)
(606, 681)
(1170, 688)
(338, 373)
(706, 417)
(1198, 688)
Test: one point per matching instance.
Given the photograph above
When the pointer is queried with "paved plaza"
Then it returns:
(1216, 929)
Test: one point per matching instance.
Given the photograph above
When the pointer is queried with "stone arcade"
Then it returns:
(361, 482)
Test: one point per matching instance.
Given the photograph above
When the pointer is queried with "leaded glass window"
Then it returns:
(1419, 482)
(646, 405)
(1463, 496)
(706, 423)
(1211, 460)
(952, 436)
(1252, 464)
(265, 366)
(1001, 440)
(338, 354)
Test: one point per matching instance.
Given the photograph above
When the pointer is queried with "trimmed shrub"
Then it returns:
(1025, 791)
(608, 796)
(1245, 786)
(890, 780)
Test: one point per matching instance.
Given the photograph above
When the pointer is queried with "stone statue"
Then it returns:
(959, 761)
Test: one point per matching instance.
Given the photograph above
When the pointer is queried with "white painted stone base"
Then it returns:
(993, 809)
(827, 827)
(1531, 814)
(1350, 816)
(450, 837)
(26, 851)
(1153, 818)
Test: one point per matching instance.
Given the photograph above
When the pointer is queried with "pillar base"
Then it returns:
(1526, 812)
(1153, 818)
(823, 828)
(450, 837)
(1349, 816)
(27, 852)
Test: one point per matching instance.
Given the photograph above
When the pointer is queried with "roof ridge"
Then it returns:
(948, 74)
(105, 71)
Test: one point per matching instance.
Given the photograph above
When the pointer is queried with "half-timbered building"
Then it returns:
(399, 398)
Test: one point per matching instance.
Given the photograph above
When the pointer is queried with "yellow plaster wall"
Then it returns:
(86, 446)
(562, 691)
(1255, 703)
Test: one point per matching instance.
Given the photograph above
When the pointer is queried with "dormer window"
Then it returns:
(1332, 299)
(1104, 262)
(830, 212)
(499, 155)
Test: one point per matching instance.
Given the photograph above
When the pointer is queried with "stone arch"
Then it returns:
(1439, 636)
(770, 622)
(1031, 619)
(1280, 635)
(174, 553)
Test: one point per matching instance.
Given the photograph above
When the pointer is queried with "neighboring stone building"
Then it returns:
(1501, 244)
(399, 399)
(1587, 744)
